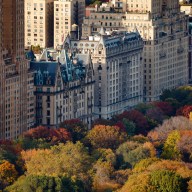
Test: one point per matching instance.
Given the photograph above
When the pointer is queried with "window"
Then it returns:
(48, 121)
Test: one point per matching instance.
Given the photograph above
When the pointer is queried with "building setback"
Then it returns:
(118, 66)
(64, 88)
(16, 81)
(39, 23)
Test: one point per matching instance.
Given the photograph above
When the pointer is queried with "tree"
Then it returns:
(137, 118)
(185, 111)
(180, 94)
(130, 127)
(185, 145)
(155, 114)
(102, 180)
(8, 174)
(165, 107)
(129, 153)
(76, 128)
(102, 136)
(33, 183)
(71, 160)
(144, 107)
(170, 149)
(168, 181)
(104, 155)
(52, 136)
(144, 164)
(175, 123)
(138, 183)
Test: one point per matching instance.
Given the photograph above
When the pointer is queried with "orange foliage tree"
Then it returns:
(8, 174)
(102, 136)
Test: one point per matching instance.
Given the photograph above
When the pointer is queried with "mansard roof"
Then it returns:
(70, 69)
(45, 72)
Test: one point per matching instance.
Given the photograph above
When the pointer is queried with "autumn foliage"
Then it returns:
(185, 111)
(102, 136)
(50, 135)
(8, 174)
(146, 149)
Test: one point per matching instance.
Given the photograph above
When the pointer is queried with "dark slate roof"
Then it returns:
(45, 72)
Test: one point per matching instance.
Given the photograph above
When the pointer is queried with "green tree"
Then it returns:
(39, 183)
(170, 148)
(130, 153)
(129, 126)
(168, 181)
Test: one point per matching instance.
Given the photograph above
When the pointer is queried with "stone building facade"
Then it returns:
(17, 114)
(118, 66)
(39, 23)
(64, 88)
(164, 30)
(68, 18)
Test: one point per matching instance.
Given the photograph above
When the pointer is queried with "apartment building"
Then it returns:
(101, 19)
(39, 23)
(118, 67)
(64, 88)
(165, 32)
(16, 116)
(68, 18)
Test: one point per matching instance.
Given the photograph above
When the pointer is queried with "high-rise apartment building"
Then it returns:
(118, 68)
(39, 23)
(14, 73)
(165, 32)
(68, 18)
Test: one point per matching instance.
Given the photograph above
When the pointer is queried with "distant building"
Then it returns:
(39, 23)
(64, 88)
(68, 18)
(118, 67)
(16, 80)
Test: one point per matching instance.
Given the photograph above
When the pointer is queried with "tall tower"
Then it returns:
(14, 73)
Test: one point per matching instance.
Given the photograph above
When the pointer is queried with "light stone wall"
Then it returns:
(165, 33)
(118, 71)
(66, 14)
(39, 23)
